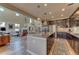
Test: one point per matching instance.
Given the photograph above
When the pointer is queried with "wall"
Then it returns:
(10, 17)
(75, 30)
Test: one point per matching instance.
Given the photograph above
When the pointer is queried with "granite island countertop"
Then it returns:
(37, 35)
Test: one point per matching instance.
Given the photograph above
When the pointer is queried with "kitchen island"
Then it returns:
(4, 39)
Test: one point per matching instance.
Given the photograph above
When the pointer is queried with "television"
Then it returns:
(3, 29)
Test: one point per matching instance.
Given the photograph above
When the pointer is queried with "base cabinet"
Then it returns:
(4, 40)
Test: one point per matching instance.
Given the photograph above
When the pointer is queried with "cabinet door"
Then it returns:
(8, 38)
(5, 39)
(1, 41)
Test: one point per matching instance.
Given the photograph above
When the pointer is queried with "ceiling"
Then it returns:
(53, 11)
(10, 16)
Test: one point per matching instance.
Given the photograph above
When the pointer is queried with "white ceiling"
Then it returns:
(55, 8)
(10, 16)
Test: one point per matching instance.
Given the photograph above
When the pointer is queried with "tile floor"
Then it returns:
(17, 46)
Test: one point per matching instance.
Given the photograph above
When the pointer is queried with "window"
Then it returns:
(17, 25)
(2, 24)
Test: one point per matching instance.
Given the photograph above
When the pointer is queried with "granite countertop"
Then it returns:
(4, 34)
(77, 35)
(38, 35)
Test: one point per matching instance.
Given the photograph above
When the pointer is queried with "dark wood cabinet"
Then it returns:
(4, 39)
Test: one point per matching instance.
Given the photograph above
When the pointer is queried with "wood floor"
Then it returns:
(17, 46)
(61, 47)
(64, 44)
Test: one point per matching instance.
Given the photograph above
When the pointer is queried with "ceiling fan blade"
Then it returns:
(70, 4)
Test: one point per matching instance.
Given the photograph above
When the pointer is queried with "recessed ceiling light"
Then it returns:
(17, 14)
(1, 9)
(63, 9)
(45, 4)
(52, 17)
(38, 18)
(77, 12)
(62, 15)
(50, 12)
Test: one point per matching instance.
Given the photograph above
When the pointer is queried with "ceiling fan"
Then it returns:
(70, 4)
